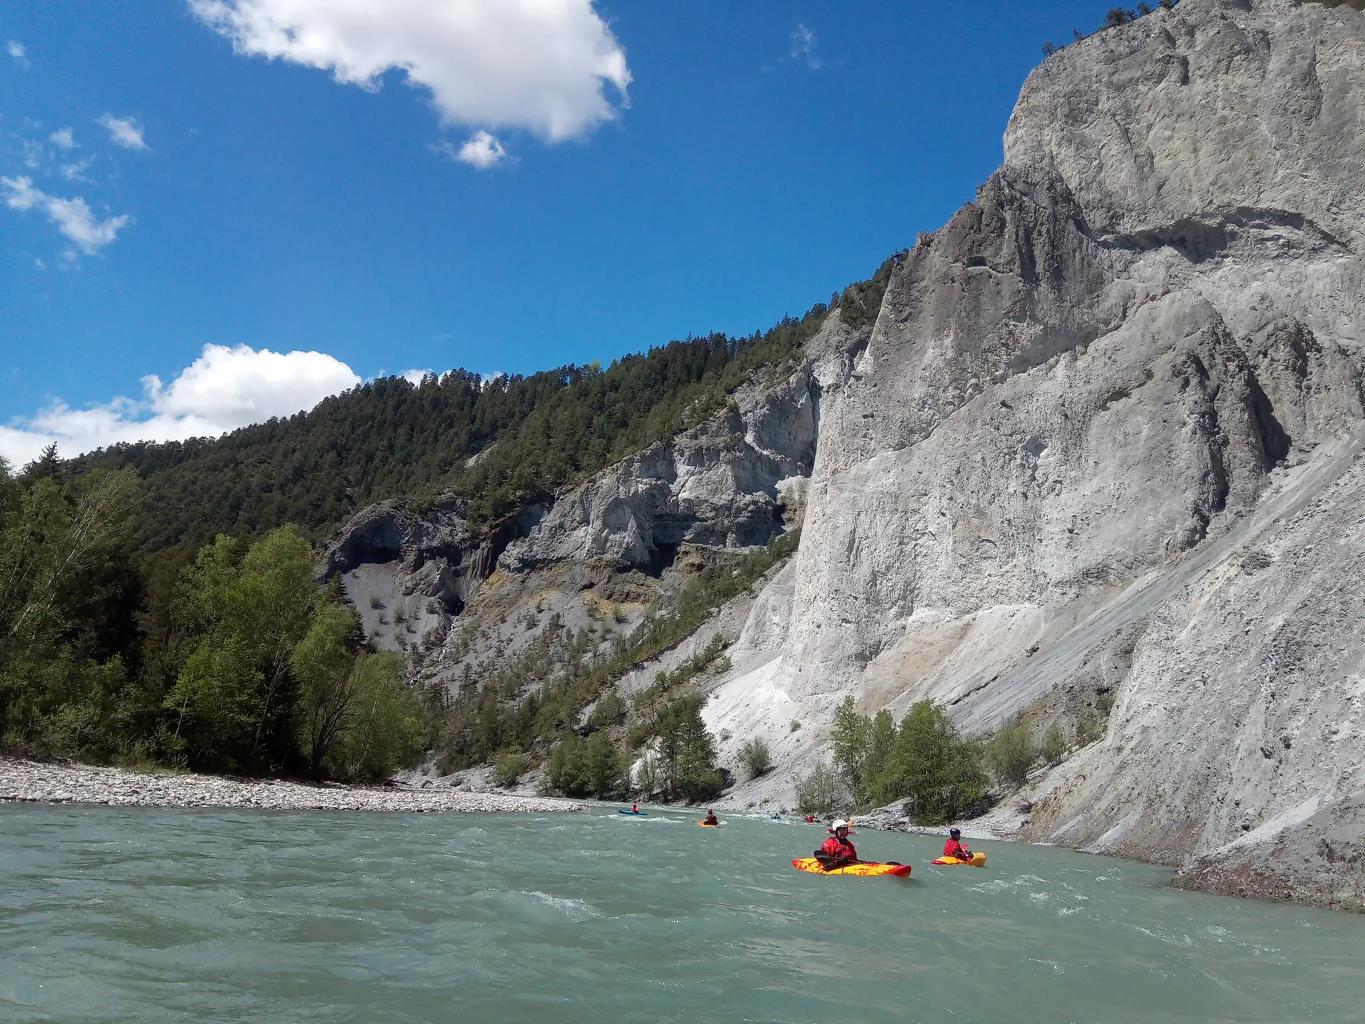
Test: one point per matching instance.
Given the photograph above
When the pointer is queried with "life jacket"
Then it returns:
(953, 848)
(836, 847)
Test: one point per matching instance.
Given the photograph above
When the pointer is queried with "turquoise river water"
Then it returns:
(150, 915)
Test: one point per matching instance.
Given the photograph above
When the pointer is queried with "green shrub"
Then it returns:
(881, 743)
(849, 736)
(385, 729)
(607, 711)
(821, 792)
(686, 751)
(933, 769)
(591, 767)
(1052, 747)
(1011, 752)
(709, 659)
(647, 776)
(755, 757)
(510, 767)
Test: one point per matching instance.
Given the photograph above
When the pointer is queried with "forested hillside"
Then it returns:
(383, 438)
(390, 438)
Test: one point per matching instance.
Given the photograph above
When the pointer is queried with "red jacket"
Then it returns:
(952, 848)
(836, 847)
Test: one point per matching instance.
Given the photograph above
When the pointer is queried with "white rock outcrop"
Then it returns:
(1107, 434)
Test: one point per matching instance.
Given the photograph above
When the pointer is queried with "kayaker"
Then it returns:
(954, 848)
(810, 819)
(710, 818)
(837, 851)
(634, 807)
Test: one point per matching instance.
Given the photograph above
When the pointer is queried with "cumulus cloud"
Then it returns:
(123, 131)
(72, 217)
(481, 150)
(806, 47)
(225, 388)
(539, 65)
(63, 138)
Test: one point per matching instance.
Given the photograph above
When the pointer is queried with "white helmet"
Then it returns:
(838, 824)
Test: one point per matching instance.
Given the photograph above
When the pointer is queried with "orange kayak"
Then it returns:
(978, 861)
(812, 865)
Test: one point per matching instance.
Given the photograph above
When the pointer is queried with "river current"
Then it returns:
(175, 915)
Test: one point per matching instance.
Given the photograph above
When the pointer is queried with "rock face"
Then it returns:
(407, 572)
(731, 482)
(735, 481)
(1106, 435)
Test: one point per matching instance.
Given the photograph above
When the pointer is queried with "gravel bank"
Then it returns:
(31, 782)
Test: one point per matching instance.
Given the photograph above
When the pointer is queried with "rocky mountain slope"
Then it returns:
(1099, 456)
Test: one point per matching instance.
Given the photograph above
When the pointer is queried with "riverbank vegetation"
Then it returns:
(234, 661)
(923, 762)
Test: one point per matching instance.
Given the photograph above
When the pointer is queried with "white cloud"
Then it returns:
(16, 50)
(123, 131)
(20, 193)
(539, 65)
(805, 47)
(63, 138)
(481, 150)
(75, 171)
(72, 217)
(415, 377)
(225, 388)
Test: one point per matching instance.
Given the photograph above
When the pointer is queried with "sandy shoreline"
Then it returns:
(34, 782)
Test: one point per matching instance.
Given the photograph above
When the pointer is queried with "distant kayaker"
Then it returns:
(810, 819)
(710, 818)
(954, 848)
(837, 851)
(634, 807)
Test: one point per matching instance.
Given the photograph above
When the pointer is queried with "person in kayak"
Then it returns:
(810, 819)
(954, 848)
(837, 851)
(710, 818)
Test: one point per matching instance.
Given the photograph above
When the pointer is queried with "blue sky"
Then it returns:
(762, 155)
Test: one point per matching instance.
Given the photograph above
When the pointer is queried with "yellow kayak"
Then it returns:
(978, 861)
(705, 825)
(864, 870)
